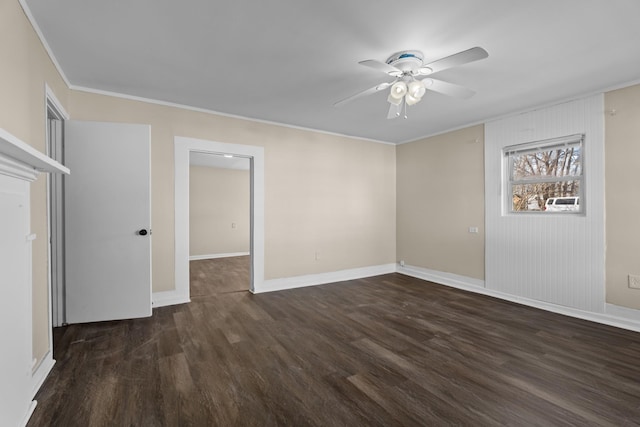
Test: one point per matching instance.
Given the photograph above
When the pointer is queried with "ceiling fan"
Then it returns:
(411, 79)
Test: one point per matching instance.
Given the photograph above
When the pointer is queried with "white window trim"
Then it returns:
(575, 140)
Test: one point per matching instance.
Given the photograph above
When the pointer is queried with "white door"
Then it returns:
(107, 221)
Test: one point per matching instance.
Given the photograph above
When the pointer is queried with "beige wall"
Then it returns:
(218, 211)
(440, 192)
(622, 179)
(25, 70)
(323, 193)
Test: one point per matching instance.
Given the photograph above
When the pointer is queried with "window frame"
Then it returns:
(509, 153)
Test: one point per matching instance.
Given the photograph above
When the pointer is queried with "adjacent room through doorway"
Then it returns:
(219, 224)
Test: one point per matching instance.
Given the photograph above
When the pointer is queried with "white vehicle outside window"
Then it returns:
(562, 204)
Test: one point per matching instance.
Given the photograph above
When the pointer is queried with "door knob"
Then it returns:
(143, 232)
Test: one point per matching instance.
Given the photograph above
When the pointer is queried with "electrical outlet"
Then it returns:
(401, 263)
(634, 281)
(473, 229)
(317, 256)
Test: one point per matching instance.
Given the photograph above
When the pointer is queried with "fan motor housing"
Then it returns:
(406, 60)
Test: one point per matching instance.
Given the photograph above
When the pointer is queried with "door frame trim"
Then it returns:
(56, 318)
(182, 147)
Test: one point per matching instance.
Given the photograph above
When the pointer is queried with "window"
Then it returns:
(545, 176)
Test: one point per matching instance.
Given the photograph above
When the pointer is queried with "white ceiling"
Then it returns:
(289, 61)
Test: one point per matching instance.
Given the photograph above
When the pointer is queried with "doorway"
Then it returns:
(219, 223)
(183, 146)
(56, 117)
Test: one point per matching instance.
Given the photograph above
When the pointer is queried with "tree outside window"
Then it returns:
(546, 176)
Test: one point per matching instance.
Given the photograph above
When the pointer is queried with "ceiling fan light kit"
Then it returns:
(397, 92)
(409, 86)
(411, 100)
(417, 89)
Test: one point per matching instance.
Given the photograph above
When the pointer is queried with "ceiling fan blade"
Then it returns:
(369, 91)
(460, 58)
(382, 66)
(446, 88)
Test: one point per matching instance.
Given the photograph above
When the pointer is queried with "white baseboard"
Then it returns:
(442, 278)
(37, 379)
(213, 256)
(620, 317)
(613, 315)
(623, 314)
(42, 372)
(32, 408)
(165, 298)
(323, 278)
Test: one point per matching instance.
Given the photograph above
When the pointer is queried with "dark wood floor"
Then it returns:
(383, 351)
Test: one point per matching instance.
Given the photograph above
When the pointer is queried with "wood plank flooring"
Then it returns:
(384, 351)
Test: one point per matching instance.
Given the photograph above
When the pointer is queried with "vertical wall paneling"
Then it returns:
(553, 258)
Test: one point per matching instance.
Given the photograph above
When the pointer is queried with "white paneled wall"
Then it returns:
(558, 258)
